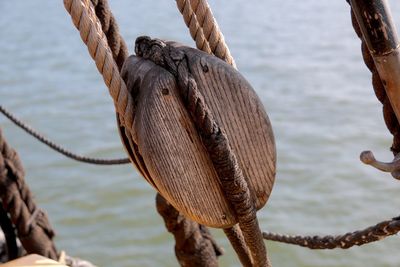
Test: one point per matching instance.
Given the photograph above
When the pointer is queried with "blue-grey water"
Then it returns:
(304, 61)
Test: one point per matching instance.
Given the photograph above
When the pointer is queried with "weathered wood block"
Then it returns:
(167, 150)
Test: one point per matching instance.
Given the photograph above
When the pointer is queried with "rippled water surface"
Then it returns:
(303, 59)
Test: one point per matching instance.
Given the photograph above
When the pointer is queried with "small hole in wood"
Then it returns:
(165, 91)
(204, 65)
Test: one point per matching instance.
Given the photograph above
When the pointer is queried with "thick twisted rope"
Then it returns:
(119, 53)
(390, 119)
(194, 245)
(110, 28)
(374, 233)
(85, 20)
(205, 32)
(382, 229)
(233, 184)
(195, 29)
(60, 149)
(10, 238)
(235, 236)
(204, 28)
(31, 223)
(388, 114)
(345, 241)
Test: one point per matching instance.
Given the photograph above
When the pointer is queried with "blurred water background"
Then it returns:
(304, 61)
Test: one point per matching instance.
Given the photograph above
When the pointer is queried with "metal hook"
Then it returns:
(393, 167)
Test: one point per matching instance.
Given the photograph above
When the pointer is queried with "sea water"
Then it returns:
(303, 59)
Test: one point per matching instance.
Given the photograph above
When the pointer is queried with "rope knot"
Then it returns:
(161, 53)
(150, 49)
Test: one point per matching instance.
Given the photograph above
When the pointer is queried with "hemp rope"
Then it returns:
(11, 247)
(388, 114)
(192, 23)
(103, 16)
(233, 184)
(322, 242)
(204, 28)
(235, 236)
(382, 229)
(119, 52)
(388, 119)
(199, 20)
(111, 30)
(85, 20)
(31, 223)
(194, 245)
(60, 149)
(345, 241)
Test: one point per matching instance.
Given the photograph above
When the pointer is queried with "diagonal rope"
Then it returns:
(10, 239)
(79, 11)
(194, 27)
(56, 147)
(111, 76)
(204, 28)
(85, 20)
(194, 245)
(111, 30)
(30, 222)
(205, 31)
(26, 220)
(345, 241)
(382, 229)
(235, 237)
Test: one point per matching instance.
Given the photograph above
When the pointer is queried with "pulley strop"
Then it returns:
(171, 151)
(197, 132)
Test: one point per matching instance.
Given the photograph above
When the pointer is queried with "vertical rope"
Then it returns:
(31, 223)
(111, 30)
(10, 238)
(235, 236)
(194, 245)
(233, 184)
(388, 114)
(205, 31)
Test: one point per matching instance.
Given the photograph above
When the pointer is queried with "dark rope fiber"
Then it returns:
(31, 223)
(57, 147)
(345, 241)
(9, 234)
(382, 229)
(388, 114)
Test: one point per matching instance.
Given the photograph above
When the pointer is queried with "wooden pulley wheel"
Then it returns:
(168, 151)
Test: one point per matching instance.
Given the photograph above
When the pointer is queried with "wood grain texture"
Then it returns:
(239, 111)
(169, 150)
(133, 72)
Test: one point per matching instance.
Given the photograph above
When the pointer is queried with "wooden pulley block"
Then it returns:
(168, 151)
